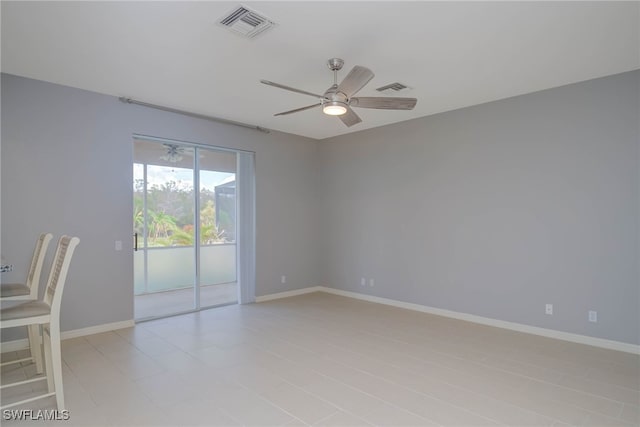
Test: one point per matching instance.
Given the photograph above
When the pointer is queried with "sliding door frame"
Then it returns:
(245, 220)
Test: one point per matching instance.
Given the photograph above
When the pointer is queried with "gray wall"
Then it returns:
(497, 209)
(492, 210)
(67, 168)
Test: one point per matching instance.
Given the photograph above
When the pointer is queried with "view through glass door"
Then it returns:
(184, 223)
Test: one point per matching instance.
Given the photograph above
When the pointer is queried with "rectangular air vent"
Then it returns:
(393, 86)
(246, 22)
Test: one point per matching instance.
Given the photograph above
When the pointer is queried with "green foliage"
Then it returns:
(171, 215)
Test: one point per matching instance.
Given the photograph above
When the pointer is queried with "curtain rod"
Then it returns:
(190, 114)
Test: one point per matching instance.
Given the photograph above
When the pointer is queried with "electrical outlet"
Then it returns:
(283, 279)
(593, 316)
(363, 282)
(548, 309)
(118, 245)
(372, 283)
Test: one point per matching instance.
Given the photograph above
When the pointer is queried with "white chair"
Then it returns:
(29, 291)
(47, 314)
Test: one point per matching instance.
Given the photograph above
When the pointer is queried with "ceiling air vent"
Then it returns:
(393, 86)
(246, 22)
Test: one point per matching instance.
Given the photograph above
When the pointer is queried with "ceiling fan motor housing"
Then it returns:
(332, 94)
(334, 102)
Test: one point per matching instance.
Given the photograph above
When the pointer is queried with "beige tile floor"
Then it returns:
(325, 360)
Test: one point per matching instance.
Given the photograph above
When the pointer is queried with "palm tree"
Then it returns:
(182, 237)
(161, 225)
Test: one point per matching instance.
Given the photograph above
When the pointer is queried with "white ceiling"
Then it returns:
(452, 54)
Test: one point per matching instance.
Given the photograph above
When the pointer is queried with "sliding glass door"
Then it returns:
(184, 228)
(217, 229)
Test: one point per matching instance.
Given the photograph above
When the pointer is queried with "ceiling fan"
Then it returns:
(339, 98)
(174, 153)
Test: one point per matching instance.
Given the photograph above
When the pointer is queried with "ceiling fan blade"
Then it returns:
(350, 118)
(298, 109)
(384, 103)
(355, 80)
(304, 92)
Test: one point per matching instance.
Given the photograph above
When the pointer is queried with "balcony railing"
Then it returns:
(173, 267)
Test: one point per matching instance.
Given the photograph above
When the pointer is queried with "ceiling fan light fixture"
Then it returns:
(171, 157)
(334, 108)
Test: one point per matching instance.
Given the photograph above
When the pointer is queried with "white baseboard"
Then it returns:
(534, 330)
(107, 327)
(22, 344)
(550, 333)
(288, 294)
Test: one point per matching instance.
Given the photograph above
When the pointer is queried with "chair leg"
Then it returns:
(35, 346)
(47, 358)
(56, 362)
